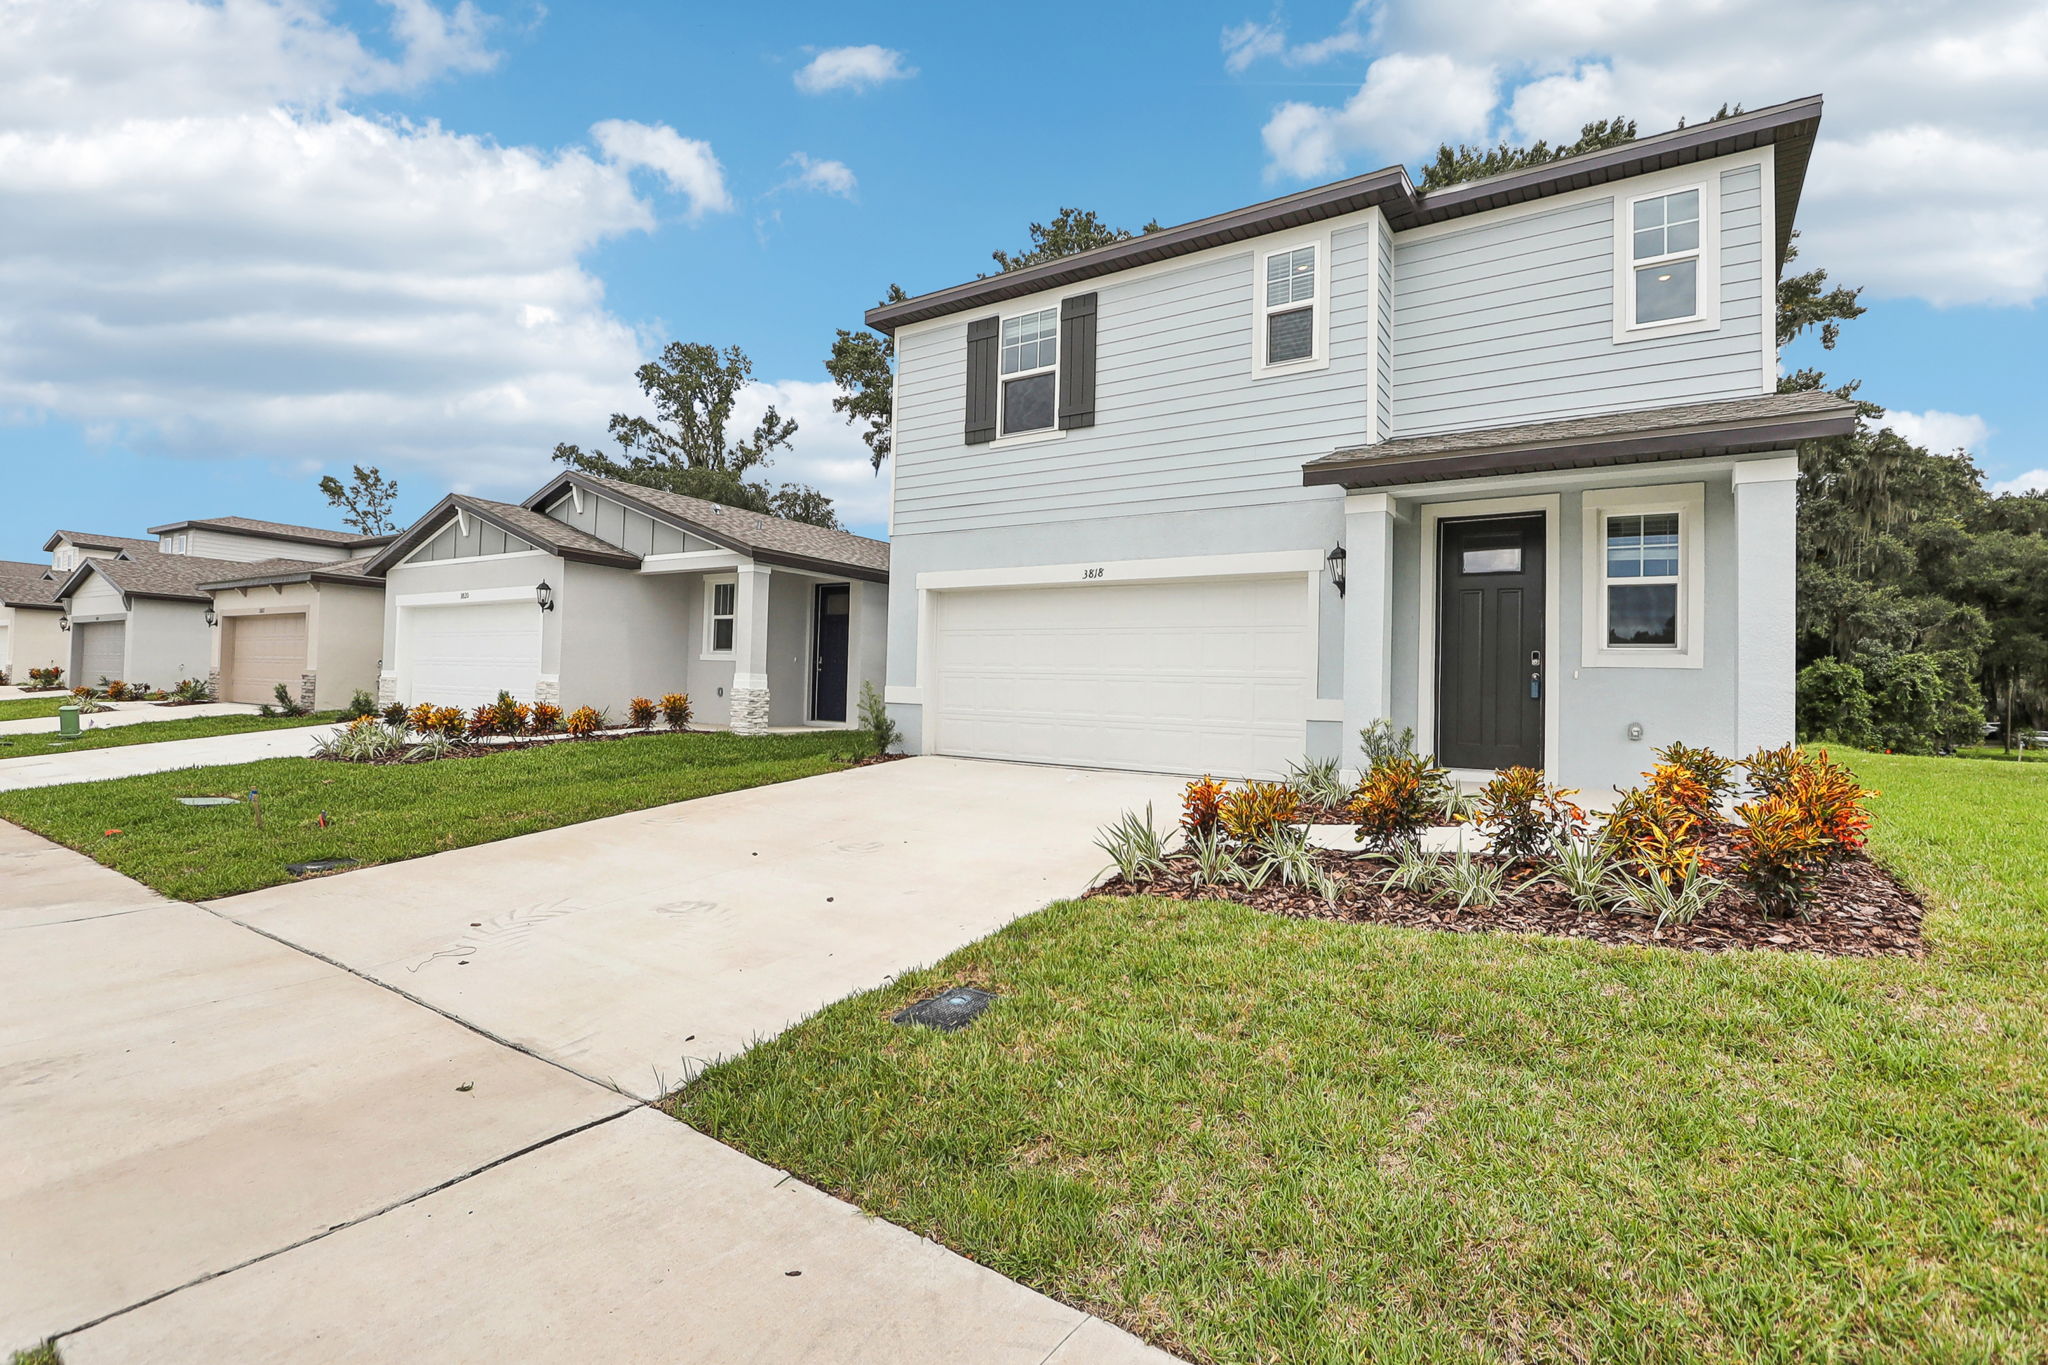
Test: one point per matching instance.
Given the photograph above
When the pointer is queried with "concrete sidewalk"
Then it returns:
(129, 713)
(130, 760)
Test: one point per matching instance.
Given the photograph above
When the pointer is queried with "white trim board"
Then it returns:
(1689, 501)
(1082, 573)
(452, 599)
(1551, 506)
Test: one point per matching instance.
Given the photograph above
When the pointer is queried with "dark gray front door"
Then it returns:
(1489, 643)
(828, 651)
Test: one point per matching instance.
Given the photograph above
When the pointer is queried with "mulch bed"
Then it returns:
(872, 759)
(1862, 911)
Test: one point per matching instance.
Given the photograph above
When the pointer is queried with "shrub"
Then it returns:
(1676, 786)
(584, 721)
(360, 705)
(1199, 805)
(286, 705)
(1215, 861)
(363, 740)
(1713, 772)
(545, 718)
(1583, 869)
(675, 710)
(1285, 856)
(1468, 883)
(874, 718)
(1521, 815)
(421, 718)
(483, 720)
(1770, 770)
(448, 721)
(1252, 815)
(1833, 802)
(198, 690)
(1318, 780)
(640, 712)
(1411, 869)
(1834, 704)
(1655, 837)
(118, 690)
(45, 677)
(1780, 853)
(1675, 901)
(511, 714)
(86, 702)
(1401, 796)
(430, 746)
(396, 715)
(1136, 850)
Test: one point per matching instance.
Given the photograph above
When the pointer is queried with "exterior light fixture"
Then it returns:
(212, 617)
(1335, 559)
(544, 595)
(64, 623)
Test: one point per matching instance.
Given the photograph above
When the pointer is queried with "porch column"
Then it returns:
(1766, 578)
(1368, 617)
(750, 652)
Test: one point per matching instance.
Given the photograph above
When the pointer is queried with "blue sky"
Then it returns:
(252, 241)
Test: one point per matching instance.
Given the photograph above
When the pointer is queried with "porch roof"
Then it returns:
(1730, 426)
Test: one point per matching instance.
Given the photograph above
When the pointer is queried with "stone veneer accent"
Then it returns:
(387, 689)
(749, 710)
(308, 689)
(548, 690)
(213, 684)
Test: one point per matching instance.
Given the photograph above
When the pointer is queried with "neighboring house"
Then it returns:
(1503, 462)
(595, 591)
(315, 629)
(143, 611)
(29, 612)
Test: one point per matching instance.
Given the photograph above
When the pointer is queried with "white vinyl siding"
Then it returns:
(1513, 319)
(617, 524)
(242, 548)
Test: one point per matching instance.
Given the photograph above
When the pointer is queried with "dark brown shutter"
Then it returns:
(1077, 362)
(981, 379)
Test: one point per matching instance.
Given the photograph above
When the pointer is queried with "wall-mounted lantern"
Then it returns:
(64, 623)
(544, 595)
(212, 617)
(1335, 559)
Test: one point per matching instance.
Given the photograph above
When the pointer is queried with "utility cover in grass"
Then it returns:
(319, 865)
(948, 1011)
(209, 800)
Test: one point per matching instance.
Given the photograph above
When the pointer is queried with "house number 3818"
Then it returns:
(1091, 573)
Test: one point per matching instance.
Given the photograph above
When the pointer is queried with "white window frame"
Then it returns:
(712, 583)
(1318, 357)
(65, 558)
(1059, 353)
(1706, 315)
(175, 543)
(1689, 501)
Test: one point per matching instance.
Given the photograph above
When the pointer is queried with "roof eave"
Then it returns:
(835, 567)
(569, 478)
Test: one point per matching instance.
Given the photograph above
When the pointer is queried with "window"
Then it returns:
(1664, 256)
(1644, 577)
(721, 614)
(1030, 372)
(62, 559)
(173, 544)
(1287, 309)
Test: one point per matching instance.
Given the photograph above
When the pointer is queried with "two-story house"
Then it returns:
(1504, 462)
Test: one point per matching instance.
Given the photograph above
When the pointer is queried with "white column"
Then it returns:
(1766, 601)
(1368, 617)
(750, 651)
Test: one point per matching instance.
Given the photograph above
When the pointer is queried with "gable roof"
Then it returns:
(27, 585)
(769, 539)
(273, 530)
(267, 572)
(173, 578)
(1728, 426)
(1790, 127)
(99, 542)
(528, 525)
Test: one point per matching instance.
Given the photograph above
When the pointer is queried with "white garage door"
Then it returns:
(6, 659)
(464, 655)
(263, 651)
(101, 648)
(1192, 676)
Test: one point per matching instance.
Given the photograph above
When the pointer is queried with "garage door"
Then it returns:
(263, 651)
(100, 652)
(1193, 676)
(463, 655)
(6, 660)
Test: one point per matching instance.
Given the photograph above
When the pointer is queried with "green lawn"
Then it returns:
(1256, 1139)
(32, 708)
(151, 732)
(382, 813)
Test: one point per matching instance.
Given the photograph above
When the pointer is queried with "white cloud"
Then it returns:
(1405, 101)
(1941, 432)
(2033, 481)
(205, 251)
(1250, 42)
(852, 68)
(1918, 98)
(826, 177)
(685, 163)
(827, 453)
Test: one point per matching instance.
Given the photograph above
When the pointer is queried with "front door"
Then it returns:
(828, 651)
(1490, 676)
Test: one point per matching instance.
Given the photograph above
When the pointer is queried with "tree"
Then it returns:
(365, 500)
(863, 363)
(685, 447)
(1455, 165)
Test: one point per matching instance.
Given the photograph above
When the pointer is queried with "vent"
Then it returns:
(948, 1011)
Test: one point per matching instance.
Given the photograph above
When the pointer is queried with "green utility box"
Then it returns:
(67, 719)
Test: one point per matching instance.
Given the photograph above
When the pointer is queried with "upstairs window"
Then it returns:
(1664, 255)
(1030, 372)
(1287, 326)
(173, 544)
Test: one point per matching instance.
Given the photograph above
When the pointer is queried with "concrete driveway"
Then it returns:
(634, 949)
(216, 1146)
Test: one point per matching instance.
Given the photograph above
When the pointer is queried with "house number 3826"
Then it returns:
(1091, 573)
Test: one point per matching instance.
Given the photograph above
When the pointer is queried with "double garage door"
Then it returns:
(1186, 676)
(465, 654)
(260, 654)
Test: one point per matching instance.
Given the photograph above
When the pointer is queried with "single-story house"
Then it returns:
(317, 629)
(139, 618)
(29, 612)
(595, 591)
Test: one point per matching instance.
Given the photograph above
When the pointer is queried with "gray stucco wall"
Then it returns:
(34, 640)
(346, 648)
(167, 642)
(622, 636)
